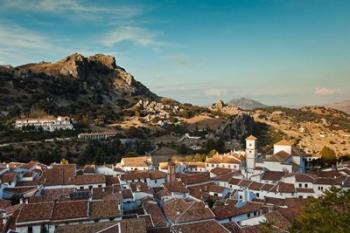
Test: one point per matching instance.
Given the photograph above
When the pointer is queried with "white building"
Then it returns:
(48, 123)
(251, 152)
(142, 163)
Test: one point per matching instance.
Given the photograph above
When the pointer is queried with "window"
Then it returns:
(305, 185)
(300, 185)
(248, 215)
(30, 229)
(257, 194)
(155, 181)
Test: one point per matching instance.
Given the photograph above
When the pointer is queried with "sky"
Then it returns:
(279, 52)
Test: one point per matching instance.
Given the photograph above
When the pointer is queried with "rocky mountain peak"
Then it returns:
(106, 60)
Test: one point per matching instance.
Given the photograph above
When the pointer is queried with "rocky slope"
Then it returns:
(74, 85)
(310, 128)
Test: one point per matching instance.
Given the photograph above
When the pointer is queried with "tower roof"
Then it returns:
(251, 137)
(283, 142)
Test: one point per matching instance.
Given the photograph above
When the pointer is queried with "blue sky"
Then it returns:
(280, 52)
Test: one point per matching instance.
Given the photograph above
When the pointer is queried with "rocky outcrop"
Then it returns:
(95, 82)
(239, 127)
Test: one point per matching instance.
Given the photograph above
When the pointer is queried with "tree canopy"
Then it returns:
(329, 213)
(328, 155)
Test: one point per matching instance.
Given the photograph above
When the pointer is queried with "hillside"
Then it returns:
(246, 103)
(341, 106)
(99, 95)
(310, 128)
(92, 86)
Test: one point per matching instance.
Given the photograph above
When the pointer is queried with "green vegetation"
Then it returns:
(328, 156)
(100, 152)
(329, 213)
(267, 136)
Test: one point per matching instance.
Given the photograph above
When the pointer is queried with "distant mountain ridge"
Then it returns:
(341, 106)
(246, 103)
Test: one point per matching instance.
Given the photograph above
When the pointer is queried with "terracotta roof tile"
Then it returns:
(155, 212)
(181, 211)
(35, 212)
(104, 209)
(67, 210)
(272, 175)
(176, 187)
(194, 178)
(90, 179)
(205, 226)
(229, 209)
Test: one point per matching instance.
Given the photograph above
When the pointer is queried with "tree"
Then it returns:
(328, 155)
(267, 227)
(199, 158)
(329, 213)
(212, 153)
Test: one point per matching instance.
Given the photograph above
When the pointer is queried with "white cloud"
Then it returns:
(11, 35)
(19, 45)
(72, 8)
(137, 35)
(323, 91)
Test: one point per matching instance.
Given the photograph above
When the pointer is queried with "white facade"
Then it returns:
(48, 123)
(251, 152)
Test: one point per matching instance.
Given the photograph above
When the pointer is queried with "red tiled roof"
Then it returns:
(139, 187)
(219, 171)
(90, 179)
(278, 220)
(194, 178)
(327, 181)
(111, 180)
(105, 209)
(256, 186)
(67, 210)
(126, 193)
(180, 211)
(282, 187)
(205, 226)
(280, 156)
(59, 175)
(305, 178)
(272, 175)
(8, 177)
(51, 195)
(35, 212)
(155, 212)
(229, 209)
(155, 175)
(176, 187)
(224, 159)
(4, 203)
